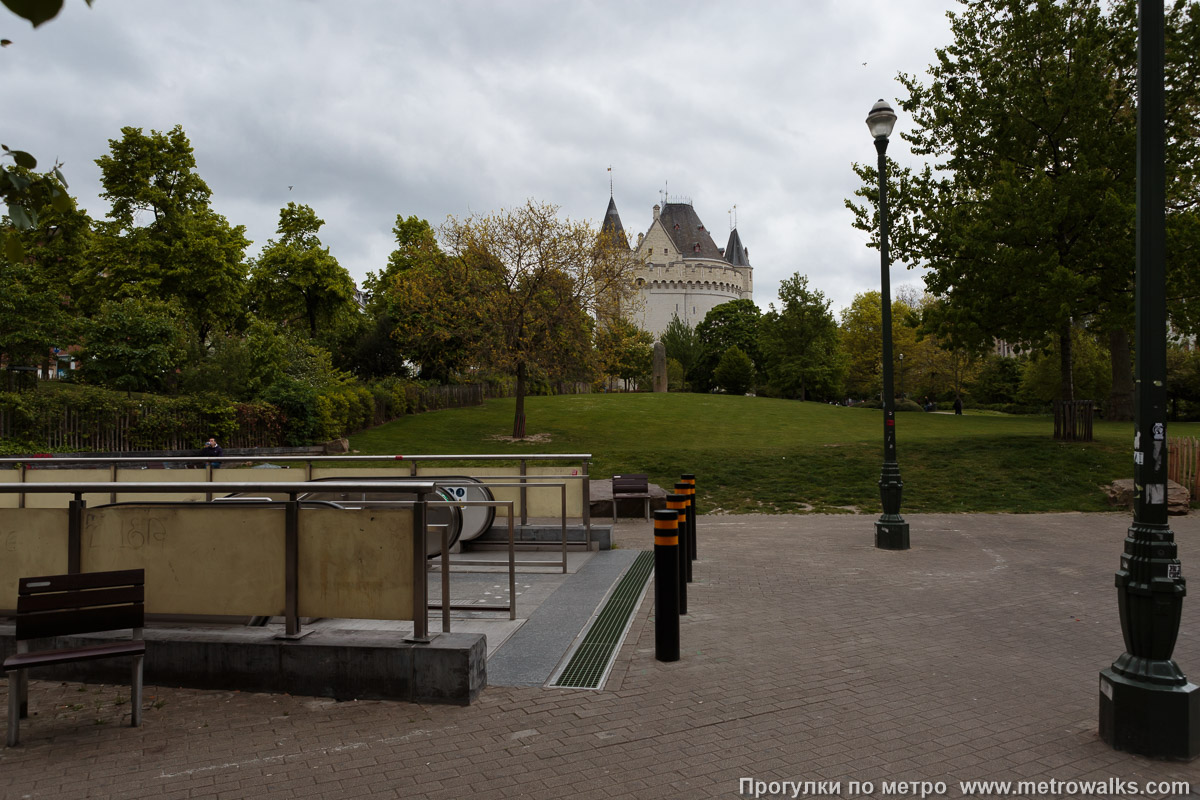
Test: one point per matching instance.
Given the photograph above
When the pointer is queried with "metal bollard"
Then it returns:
(677, 503)
(666, 590)
(685, 530)
(690, 479)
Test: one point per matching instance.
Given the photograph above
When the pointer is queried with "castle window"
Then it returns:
(664, 251)
(696, 247)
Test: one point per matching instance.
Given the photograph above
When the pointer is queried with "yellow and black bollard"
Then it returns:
(678, 503)
(685, 531)
(666, 584)
(690, 479)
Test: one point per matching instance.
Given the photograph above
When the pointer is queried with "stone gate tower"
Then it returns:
(682, 272)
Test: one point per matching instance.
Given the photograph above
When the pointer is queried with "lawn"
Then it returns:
(755, 454)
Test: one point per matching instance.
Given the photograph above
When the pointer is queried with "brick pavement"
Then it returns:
(807, 655)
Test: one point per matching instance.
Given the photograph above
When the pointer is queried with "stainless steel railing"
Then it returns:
(24, 463)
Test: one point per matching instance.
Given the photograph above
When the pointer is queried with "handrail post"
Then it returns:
(512, 565)
(291, 561)
(112, 476)
(420, 575)
(587, 505)
(208, 478)
(445, 578)
(21, 479)
(75, 533)
(563, 490)
(524, 497)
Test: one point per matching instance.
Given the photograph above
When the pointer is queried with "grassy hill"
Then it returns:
(755, 454)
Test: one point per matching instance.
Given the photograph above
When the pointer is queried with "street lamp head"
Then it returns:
(881, 120)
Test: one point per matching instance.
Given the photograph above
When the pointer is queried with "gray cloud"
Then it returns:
(373, 109)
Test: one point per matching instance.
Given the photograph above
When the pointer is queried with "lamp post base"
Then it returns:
(891, 535)
(1149, 719)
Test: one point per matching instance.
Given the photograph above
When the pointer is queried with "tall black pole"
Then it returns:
(891, 531)
(1147, 705)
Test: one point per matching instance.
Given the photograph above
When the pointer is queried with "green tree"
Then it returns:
(135, 345)
(162, 240)
(36, 308)
(1025, 217)
(682, 344)
(429, 307)
(1039, 377)
(625, 351)
(862, 342)
(416, 248)
(732, 324)
(541, 279)
(799, 343)
(296, 281)
(734, 372)
(998, 380)
(1183, 381)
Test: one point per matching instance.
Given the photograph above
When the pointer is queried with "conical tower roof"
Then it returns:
(735, 252)
(611, 228)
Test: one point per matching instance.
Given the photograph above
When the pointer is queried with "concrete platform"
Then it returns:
(355, 659)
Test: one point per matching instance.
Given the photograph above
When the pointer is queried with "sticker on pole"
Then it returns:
(1174, 571)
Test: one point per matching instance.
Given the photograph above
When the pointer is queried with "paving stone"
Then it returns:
(806, 655)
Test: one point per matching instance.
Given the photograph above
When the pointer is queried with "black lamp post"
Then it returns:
(1147, 705)
(891, 531)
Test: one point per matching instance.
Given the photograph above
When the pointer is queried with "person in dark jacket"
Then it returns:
(211, 448)
(958, 405)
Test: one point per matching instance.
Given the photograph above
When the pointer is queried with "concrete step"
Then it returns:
(545, 535)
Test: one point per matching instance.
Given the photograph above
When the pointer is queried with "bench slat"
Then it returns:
(66, 655)
(629, 485)
(81, 580)
(83, 620)
(55, 601)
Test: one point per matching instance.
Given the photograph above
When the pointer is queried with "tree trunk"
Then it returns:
(1120, 399)
(519, 417)
(1066, 367)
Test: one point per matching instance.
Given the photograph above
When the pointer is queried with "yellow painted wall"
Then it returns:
(33, 542)
(226, 559)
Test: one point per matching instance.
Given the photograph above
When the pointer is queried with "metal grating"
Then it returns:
(590, 662)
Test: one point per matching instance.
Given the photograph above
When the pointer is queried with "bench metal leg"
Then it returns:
(614, 511)
(135, 691)
(16, 699)
(647, 509)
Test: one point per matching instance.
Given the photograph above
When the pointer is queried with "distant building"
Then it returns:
(681, 270)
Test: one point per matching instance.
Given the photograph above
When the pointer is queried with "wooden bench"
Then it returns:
(630, 487)
(63, 605)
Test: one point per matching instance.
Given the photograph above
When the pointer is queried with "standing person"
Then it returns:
(958, 405)
(211, 448)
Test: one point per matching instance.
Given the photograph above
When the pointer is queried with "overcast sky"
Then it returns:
(369, 109)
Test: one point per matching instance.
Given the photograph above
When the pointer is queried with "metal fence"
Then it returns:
(1073, 420)
(1183, 462)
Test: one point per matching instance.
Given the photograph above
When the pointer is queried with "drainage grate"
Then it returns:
(590, 662)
